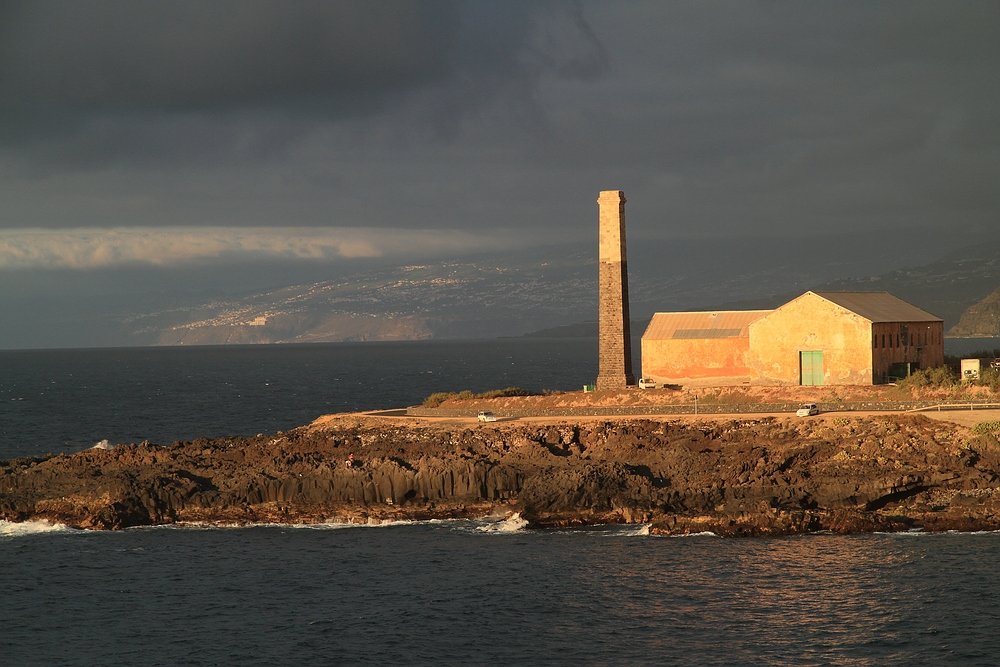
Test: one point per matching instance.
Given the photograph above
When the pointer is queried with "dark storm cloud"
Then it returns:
(192, 55)
(762, 118)
(729, 118)
(66, 62)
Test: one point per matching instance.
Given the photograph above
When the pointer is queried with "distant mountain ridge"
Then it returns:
(946, 288)
(481, 297)
(981, 320)
(962, 288)
(506, 293)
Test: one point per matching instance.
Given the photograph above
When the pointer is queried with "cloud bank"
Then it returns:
(718, 119)
(164, 247)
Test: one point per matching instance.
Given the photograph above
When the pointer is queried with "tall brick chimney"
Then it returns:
(615, 366)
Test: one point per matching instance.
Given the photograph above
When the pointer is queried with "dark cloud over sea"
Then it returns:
(138, 134)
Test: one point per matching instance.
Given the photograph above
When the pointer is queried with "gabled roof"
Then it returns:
(878, 306)
(718, 324)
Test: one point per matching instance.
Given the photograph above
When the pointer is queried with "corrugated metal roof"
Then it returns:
(707, 333)
(879, 306)
(720, 324)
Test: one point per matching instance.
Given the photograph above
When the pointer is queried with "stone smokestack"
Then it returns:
(615, 366)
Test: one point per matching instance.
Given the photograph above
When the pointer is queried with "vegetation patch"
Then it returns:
(435, 400)
(984, 428)
(941, 377)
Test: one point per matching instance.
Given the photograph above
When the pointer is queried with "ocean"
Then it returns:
(487, 592)
(67, 400)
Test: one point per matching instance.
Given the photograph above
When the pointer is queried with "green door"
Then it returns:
(811, 363)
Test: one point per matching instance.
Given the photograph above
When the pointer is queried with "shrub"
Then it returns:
(989, 377)
(940, 377)
(435, 400)
(983, 428)
(509, 391)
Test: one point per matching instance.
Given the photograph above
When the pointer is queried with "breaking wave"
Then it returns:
(511, 524)
(14, 529)
(332, 525)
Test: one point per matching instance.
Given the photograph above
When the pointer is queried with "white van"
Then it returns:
(487, 416)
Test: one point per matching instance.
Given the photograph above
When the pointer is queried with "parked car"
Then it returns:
(487, 416)
(807, 410)
(646, 383)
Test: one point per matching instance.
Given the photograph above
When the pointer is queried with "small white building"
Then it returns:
(971, 368)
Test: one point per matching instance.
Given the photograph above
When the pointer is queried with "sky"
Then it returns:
(142, 134)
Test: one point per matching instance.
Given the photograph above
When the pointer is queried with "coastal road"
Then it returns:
(962, 417)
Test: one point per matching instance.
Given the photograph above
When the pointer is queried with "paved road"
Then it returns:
(963, 417)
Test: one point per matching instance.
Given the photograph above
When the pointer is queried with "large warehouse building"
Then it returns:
(819, 338)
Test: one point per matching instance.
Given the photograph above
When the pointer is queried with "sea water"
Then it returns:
(67, 400)
(449, 593)
(488, 592)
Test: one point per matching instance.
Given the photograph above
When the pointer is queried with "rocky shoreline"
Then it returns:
(742, 477)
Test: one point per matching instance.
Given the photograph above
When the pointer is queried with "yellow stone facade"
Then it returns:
(826, 338)
(811, 323)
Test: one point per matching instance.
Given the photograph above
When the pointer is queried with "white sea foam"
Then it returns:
(371, 524)
(13, 529)
(704, 533)
(511, 524)
(103, 444)
(333, 525)
(922, 533)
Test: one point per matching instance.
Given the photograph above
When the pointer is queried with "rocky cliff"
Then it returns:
(981, 320)
(749, 477)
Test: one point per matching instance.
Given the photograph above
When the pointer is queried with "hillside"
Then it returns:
(503, 293)
(981, 320)
(479, 297)
(945, 288)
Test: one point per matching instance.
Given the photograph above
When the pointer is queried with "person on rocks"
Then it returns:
(350, 461)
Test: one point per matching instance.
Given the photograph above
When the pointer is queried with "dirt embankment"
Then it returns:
(748, 477)
(710, 396)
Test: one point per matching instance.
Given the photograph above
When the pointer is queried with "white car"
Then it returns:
(487, 416)
(807, 410)
(646, 383)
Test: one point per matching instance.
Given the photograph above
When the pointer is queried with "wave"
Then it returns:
(332, 525)
(642, 530)
(376, 524)
(14, 529)
(704, 533)
(511, 524)
(918, 532)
